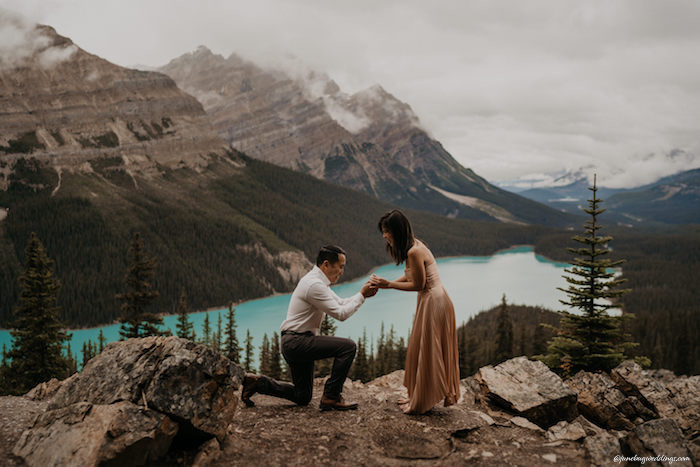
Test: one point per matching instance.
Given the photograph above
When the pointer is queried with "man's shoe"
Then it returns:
(329, 403)
(250, 387)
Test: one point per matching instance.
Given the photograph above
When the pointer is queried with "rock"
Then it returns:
(525, 423)
(529, 389)
(471, 392)
(566, 431)
(602, 448)
(600, 401)
(685, 393)
(186, 381)
(591, 429)
(633, 381)
(467, 421)
(655, 438)
(90, 435)
(45, 390)
(208, 454)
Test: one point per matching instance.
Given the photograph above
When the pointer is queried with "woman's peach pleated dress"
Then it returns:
(432, 358)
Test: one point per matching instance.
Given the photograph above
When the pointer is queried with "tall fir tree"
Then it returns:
(206, 330)
(275, 357)
(4, 368)
(594, 339)
(101, 342)
(249, 349)
(38, 336)
(265, 356)
(216, 337)
(89, 351)
(231, 347)
(359, 366)
(504, 333)
(136, 320)
(72, 360)
(184, 328)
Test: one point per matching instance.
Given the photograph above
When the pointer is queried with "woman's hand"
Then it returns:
(379, 282)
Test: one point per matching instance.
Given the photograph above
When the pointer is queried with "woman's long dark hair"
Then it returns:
(401, 231)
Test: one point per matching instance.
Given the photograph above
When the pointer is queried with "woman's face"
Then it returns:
(386, 235)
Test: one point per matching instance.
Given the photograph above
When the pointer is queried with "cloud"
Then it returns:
(21, 40)
(509, 87)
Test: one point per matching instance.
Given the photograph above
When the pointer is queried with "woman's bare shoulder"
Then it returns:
(420, 251)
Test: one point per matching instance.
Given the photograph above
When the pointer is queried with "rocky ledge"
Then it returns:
(167, 401)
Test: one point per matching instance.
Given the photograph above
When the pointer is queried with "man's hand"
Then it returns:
(368, 290)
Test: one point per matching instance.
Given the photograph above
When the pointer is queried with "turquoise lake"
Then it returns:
(473, 283)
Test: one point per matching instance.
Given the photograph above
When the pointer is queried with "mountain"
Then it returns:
(368, 141)
(670, 200)
(77, 107)
(91, 152)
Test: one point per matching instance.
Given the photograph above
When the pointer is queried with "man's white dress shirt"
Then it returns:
(313, 299)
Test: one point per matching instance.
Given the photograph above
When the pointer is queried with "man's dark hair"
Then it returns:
(330, 253)
(398, 225)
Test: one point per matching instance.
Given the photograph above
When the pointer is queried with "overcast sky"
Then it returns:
(516, 89)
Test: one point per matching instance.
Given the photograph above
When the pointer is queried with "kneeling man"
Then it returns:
(301, 343)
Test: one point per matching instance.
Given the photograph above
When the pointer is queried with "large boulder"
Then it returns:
(685, 393)
(680, 404)
(190, 383)
(660, 439)
(91, 435)
(529, 389)
(603, 403)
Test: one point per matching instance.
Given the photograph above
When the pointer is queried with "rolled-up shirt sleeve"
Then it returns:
(324, 299)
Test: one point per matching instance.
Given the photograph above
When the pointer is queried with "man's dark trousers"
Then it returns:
(300, 350)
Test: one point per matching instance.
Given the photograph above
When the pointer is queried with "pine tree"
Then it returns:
(248, 362)
(136, 320)
(206, 330)
(38, 336)
(265, 355)
(184, 328)
(381, 360)
(231, 347)
(216, 338)
(401, 354)
(4, 368)
(89, 351)
(359, 366)
(504, 333)
(72, 360)
(101, 341)
(371, 363)
(275, 357)
(592, 340)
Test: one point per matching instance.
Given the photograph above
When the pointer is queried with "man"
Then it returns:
(301, 343)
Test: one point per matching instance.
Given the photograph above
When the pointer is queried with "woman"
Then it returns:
(432, 361)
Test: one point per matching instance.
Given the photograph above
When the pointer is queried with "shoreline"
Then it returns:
(371, 271)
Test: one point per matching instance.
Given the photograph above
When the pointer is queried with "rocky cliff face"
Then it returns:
(369, 141)
(65, 107)
(167, 401)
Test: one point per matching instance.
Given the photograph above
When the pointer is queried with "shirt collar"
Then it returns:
(321, 274)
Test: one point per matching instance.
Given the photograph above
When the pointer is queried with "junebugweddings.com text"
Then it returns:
(642, 460)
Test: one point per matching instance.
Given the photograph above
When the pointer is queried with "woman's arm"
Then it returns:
(413, 283)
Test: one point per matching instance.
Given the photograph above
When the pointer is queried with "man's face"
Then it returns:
(333, 271)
